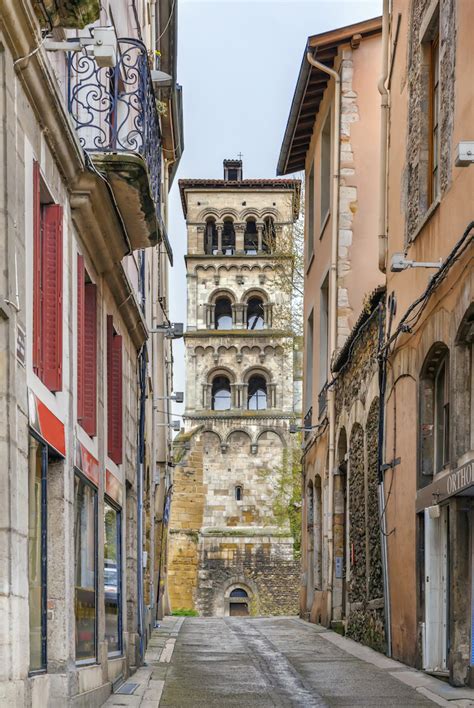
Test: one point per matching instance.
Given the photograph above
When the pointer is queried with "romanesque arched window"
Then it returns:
(463, 385)
(257, 393)
(269, 235)
(434, 413)
(220, 394)
(210, 237)
(228, 237)
(251, 237)
(223, 313)
(255, 313)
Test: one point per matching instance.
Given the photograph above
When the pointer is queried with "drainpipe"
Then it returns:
(384, 106)
(332, 314)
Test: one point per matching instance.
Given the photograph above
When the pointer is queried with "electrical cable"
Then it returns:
(33, 51)
(167, 24)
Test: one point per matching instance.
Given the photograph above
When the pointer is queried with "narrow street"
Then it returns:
(267, 662)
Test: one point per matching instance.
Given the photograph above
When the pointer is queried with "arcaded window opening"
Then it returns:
(269, 235)
(251, 238)
(434, 413)
(223, 313)
(255, 313)
(210, 238)
(221, 394)
(228, 238)
(257, 393)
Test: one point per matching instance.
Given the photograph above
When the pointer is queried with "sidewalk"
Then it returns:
(146, 684)
(436, 690)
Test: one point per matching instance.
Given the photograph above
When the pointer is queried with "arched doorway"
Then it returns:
(238, 603)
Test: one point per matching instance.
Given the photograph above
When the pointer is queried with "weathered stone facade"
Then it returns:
(227, 531)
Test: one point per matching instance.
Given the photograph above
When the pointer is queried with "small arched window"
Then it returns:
(223, 313)
(255, 313)
(238, 493)
(257, 393)
(251, 238)
(269, 235)
(221, 396)
(434, 400)
(228, 238)
(210, 238)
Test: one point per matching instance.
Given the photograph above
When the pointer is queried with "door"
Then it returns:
(436, 589)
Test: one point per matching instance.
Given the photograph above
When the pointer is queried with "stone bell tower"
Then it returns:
(231, 548)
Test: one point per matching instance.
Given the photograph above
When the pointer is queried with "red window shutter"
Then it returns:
(52, 306)
(114, 393)
(89, 420)
(37, 273)
(80, 337)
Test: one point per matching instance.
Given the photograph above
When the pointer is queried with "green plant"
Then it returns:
(182, 612)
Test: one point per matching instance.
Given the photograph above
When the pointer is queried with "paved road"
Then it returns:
(282, 662)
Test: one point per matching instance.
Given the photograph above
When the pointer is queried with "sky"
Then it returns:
(238, 62)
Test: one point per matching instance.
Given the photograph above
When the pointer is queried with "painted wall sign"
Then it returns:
(455, 482)
(86, 463)
(46, 424)
(113, 487)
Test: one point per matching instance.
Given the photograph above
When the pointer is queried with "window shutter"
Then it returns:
(37, 279)
(80, 338)
(52, 305)
(114, 393)
(89, 421)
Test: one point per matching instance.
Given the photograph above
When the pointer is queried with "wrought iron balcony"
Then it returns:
(322, 400)
(114, 111)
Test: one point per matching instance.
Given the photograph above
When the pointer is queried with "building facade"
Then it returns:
(333, 135)
(429, 403)
(231, 545)
(84, 255)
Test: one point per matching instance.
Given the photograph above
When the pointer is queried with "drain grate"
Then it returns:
(127, 688)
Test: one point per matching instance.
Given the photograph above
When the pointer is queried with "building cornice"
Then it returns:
(239, 333)
(247, 416)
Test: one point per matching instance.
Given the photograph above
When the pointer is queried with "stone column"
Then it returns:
(219, 240)
(243, 395)
(239, 237)
(271, 395)
(234, 395)
(211, 311)
(206, 395)
(260, 237)
(267, 313)
(237, 315)
(202, 240)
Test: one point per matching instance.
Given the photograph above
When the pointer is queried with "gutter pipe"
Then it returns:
(332, 316)
(384, 105)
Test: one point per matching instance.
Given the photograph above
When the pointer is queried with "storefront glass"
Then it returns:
(85, 571)
(37, 462)
(112, 576)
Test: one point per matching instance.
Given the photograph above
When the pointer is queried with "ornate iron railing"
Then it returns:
(322, 400)
(114, 109)
(308, 422)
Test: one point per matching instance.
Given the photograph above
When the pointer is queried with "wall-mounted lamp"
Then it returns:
(102, 45)
(399, 263)
(253, 449)
(178, 397)
(173, 330)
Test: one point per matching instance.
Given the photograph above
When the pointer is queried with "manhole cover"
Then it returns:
(127, 688)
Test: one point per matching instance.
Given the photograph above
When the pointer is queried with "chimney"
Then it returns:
(233, 170)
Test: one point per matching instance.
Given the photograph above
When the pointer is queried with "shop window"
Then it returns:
(47, 285)
(210, 238)
(434, 404)
(223, 313)
(86, 350)
(255, 313)
(257, 394)
(114, 393)
(251, 238)
(228, 238)
(112, 577)
(85, 546)
(221, 394)
(37, 468)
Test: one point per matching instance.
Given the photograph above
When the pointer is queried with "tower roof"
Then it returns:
(293, 185)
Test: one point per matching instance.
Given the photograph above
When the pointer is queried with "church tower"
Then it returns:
(231, 547)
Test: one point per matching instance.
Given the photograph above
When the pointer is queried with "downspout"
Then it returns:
(382, 240)
(332, 315)
(384, 106)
